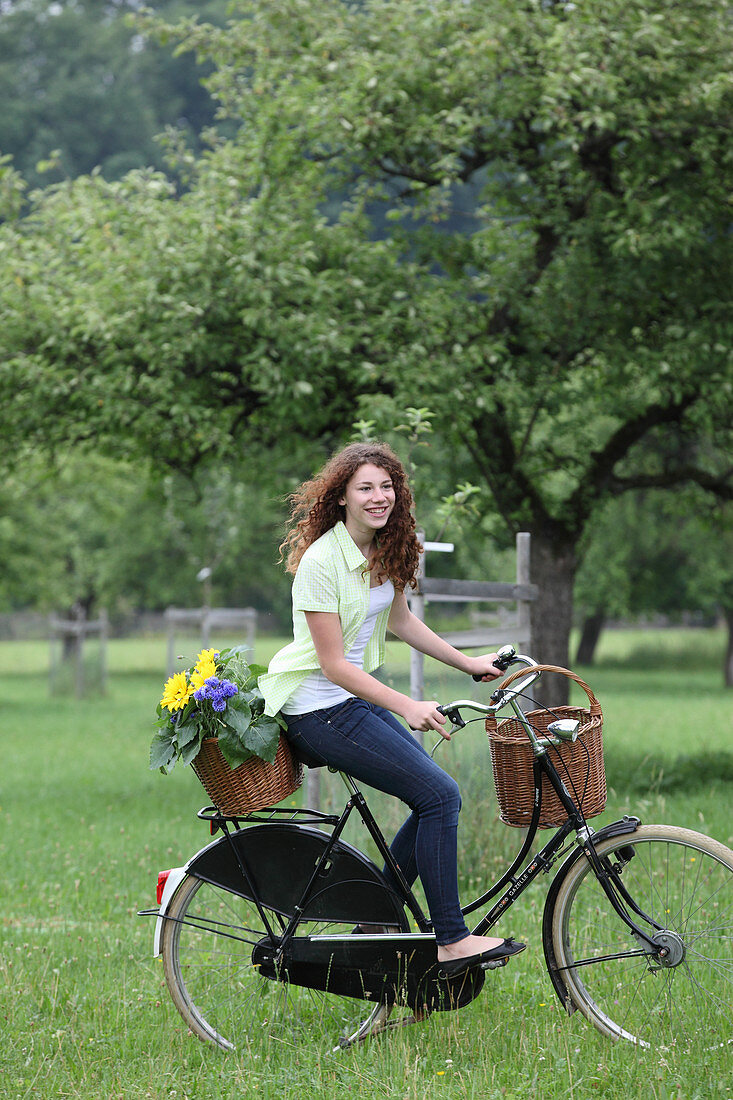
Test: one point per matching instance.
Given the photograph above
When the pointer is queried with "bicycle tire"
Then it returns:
(683, 881)
(206, 945)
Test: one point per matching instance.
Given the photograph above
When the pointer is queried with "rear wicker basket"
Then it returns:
(250, 786)
(579, 763)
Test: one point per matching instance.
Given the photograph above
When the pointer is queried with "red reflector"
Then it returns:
(162, 879)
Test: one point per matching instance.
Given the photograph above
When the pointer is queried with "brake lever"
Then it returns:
(453, 715)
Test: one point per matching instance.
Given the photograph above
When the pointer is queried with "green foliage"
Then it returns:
(516, 216)
(179, 326)
(237, 720)
(676, 560)
(87, 90)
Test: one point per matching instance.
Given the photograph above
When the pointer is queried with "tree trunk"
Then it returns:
(728, 669)
(589, 635)
(552, 569)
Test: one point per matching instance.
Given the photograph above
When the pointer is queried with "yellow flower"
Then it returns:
(206, 655)
(177, 692)
(204, 668)
(201, 673)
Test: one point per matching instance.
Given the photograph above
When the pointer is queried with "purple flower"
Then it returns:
(217, 691)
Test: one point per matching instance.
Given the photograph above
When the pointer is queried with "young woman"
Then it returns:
(353, 551)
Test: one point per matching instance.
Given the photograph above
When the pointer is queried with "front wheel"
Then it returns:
(682, 882)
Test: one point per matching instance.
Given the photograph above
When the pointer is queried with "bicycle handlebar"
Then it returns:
(501, 697)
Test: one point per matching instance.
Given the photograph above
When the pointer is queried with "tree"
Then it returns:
(513, 214)
(587, 312)
(83, 90)
(675, 561)
(88, 531)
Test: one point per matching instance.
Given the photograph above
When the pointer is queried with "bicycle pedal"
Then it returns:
(494, 964)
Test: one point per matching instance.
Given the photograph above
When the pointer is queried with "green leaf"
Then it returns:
(255, 699)
(232, 749)
(185, 732)
(162, 750)
(262, 738)
(239, 717)
(191, 750)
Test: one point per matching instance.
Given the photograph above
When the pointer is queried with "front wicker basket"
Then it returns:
(252, 785)
(579, 763)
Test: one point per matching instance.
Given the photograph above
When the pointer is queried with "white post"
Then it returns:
(523, 606)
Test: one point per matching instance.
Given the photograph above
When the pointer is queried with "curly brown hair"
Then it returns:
(315, 509)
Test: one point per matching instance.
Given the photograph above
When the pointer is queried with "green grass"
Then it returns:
(86, 826)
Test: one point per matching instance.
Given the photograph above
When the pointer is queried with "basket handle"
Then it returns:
(595, 706)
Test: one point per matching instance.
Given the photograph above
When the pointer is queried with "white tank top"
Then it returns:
(317, 692)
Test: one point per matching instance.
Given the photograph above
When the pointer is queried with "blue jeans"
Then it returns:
(368, 743)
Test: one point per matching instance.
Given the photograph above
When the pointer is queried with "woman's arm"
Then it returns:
(325, 628)
(412, 630)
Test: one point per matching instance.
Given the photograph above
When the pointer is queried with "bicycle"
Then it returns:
(637, 927)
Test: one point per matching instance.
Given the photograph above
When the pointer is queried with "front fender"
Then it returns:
(616, 828)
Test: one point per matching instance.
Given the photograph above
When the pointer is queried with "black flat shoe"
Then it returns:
(452, 968)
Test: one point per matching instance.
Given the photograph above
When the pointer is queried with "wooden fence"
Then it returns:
(514, 628)
(206, 620)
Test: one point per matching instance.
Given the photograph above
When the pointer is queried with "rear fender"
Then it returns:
(175, 878)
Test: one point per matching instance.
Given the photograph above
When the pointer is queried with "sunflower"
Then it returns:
(177, 692)
(206, 655)
(205, 667)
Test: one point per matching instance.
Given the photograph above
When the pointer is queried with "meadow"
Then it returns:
(85, 827)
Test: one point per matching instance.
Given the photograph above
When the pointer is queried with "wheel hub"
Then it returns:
(671, 949)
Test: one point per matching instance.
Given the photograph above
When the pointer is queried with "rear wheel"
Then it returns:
(207, 944)
(683, 884)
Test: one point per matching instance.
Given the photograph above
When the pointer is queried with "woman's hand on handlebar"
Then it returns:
(424, 715)
(483, 668)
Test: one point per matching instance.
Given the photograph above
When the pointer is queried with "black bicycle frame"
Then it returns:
(511, 883)
(607, 878)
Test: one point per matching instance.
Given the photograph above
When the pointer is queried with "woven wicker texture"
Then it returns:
(250, 786)
(579, 763)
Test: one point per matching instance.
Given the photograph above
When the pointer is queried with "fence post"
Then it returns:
(313, 788)
(103, 637)
(417, 606)
(170, 661)
(81, 616)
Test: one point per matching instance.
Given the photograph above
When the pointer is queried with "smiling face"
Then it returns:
(369, 500)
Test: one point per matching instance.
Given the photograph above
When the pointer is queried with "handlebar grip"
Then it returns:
(504, 658)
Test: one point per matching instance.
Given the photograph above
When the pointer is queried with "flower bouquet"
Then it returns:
(213, 717)
(218, 698)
